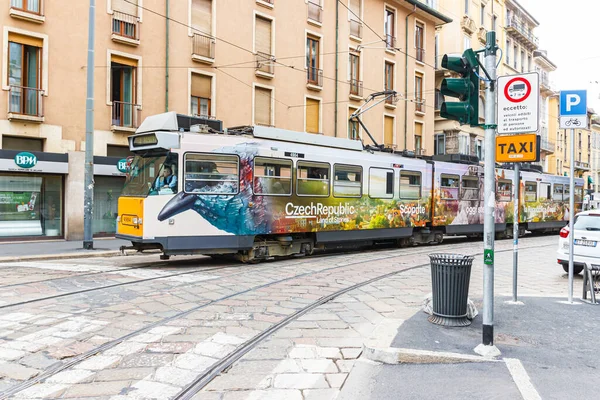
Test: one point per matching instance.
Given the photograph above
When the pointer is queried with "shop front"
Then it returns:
(32, 194)
(109, 179)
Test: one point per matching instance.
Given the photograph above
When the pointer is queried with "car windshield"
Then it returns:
(150, 175)
(587, 223)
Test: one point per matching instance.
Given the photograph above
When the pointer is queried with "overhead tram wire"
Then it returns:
(250, 86)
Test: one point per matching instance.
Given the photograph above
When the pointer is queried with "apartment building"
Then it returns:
(302, 65)
(543, 66)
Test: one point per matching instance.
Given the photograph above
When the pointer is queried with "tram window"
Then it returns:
(530, 191)
(578, 194)
(545, 192)
(381, 183)
(211, 173)
(272, 176)
(347, 181)
(470, 187)
(449, 187)
(566, 192)
(504, 191)
(410, 185)
(557, 194)
(312, 179)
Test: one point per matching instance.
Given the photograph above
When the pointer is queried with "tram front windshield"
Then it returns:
(150, 175)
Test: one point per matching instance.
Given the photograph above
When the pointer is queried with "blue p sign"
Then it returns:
(573, 102)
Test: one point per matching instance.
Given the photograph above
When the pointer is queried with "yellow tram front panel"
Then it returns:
(131, 216)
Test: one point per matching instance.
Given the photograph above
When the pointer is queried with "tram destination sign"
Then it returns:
(517, 148)
(518, 103)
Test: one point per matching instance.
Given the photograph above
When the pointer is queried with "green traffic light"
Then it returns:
(457, 87)
(457, 111)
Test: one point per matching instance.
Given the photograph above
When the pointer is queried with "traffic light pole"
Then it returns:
(490, 190)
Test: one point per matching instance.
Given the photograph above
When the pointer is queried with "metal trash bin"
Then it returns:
(450, 276)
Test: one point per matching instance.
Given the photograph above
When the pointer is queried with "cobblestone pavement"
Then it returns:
(161, 325)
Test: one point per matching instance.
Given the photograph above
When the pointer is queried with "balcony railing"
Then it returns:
(390, 41)
(315, 11)
(420, 54)
(314, 76)
(203, 46)
(581, 165)
(356, 87)
(356, 29)
(125, 25)
(547, 145)
(125, 115)
(264, 63)
(419, 104)
(26, 101)
(439, 100)
(519, 27)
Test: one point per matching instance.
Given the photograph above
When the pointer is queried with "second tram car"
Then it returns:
(259, 192)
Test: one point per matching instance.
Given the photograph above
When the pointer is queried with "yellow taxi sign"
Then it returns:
(517, 148)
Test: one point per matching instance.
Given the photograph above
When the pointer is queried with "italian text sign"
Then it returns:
(518, 103)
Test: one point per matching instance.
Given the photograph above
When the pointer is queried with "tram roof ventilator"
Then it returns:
(173, 122)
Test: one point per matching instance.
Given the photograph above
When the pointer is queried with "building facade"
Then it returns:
(303, 65)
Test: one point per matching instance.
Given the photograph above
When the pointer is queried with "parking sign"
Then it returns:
(573, 109)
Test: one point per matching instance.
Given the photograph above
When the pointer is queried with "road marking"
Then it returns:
(521, 378)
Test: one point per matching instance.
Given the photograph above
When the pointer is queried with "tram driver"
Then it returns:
(166, 180)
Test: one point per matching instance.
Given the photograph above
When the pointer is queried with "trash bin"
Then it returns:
(450, 275)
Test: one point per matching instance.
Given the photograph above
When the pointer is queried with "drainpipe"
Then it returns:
(167, 58)
(406, 75)
(337, 31)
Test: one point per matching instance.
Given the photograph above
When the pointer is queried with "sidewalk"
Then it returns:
(23, 251)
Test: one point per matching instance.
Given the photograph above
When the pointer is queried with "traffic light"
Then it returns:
(465, 88)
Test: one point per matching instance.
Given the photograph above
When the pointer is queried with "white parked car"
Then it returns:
(587, 239)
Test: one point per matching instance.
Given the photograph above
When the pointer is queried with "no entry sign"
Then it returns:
(518, 103)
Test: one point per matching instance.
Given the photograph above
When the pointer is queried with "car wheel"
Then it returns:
(576, 268)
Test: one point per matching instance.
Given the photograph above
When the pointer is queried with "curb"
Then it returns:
(395, 355)
(64, 256)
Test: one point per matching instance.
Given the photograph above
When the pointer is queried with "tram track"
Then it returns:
(227, 361)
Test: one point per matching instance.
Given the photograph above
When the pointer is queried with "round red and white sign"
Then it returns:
(517, 90)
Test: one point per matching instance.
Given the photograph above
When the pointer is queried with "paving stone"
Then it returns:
(239, 382)
(320, 394)
(17, 371)
(345, 365)
(99, 362)
(336, 380)
(10, 354)
(194, 362)
(126, 348)
(332, 324)
(264, 367)
(319, 317)
(303, 352)
(145, 360)
(318, 366)
(213, 395)
(117, 374)
(149, 390)
(71, 376)
(38, 360)
(173, 348)
(223, 338)
(351, 353)
(340, 342)
(212, 349)
(175, 376)
(273, 394)
(25, 346)
(300, 381)
(165, 330)
(97, 389)
(42, 390)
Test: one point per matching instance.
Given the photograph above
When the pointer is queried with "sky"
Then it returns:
(569, 32)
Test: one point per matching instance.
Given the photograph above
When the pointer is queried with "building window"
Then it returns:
(315, 11)
(313, 107)
(479, 149)
(123, 91)
(466, 42)
(419, 41)
(125, 18)
(314, 76)
(508, 52)
(390, 29)
(439, 99)
(355, 16)
(113, 150)
(201, 22)
(32, 6)
(353, 127)
(440, 144)
(355, 84)
(419, 101)
(263, 45)
(418, 138)
(464, 144)
(22, 143)
(482, 15)
(200, 99)
(515, 55)
(467, 7)
(529, 63)
(388, 131)
(263, 106)
(389, 79)
(522, 61)
(24, 80)
(437, 51)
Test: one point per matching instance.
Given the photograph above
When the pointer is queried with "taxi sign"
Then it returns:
(517, 148)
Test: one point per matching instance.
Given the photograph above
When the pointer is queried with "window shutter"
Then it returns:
(263, 35)
(24, 39)
(123, 60)
(418, 129)
(125, 6)
(262, 106)
(202, 16)
(388, 130)
(312, 115)
(355, 8)
(201, 86)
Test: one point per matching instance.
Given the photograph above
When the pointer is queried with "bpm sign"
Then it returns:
(573, 109)
(518, 103)
(25, 160)
(518, 148)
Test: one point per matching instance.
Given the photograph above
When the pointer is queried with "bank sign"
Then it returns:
(25, 160)
(122, 165)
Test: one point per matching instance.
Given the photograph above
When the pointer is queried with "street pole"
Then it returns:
(516, 189)
(88, 197)
(571, 214)
(490, 191)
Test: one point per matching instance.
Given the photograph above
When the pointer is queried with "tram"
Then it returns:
(258, 192)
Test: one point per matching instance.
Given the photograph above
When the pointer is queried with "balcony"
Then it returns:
(582, 166)
(33, 11)
(390, 42)
(203, 48)
(125, 28)
(468, 25)
(419, 104)
(125, 116)
(482, 35)
(420, 54)
(356, 89)
(547, 146)
(25, 104)
(266, 3)
(355, 29)
(315, 12)
(264, 65)
(314, 78)
(518, 28)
